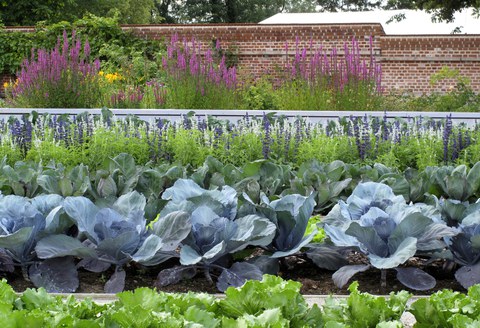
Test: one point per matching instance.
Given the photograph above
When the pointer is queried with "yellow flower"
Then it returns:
(100, 73)
(111, 77)
(5, 85)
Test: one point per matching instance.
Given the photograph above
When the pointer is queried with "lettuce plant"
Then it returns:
(449, 309)
(217, 232)
(388, 231)
(365, 310)
(115, 236)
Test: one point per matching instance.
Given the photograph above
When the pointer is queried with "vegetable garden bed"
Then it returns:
(220, 225)
(91, 203)
(237, 233)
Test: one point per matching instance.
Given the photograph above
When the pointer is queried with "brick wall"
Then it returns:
(407, 61)
(261, 48)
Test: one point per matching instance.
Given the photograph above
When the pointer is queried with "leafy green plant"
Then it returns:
(74, 182)
(259, 95)
(457, 184)
(447, 308)
(465, 249)
(388, 231)
(365, 310)
(329, 181)
(313, 225)
(24, 222)
(112, 236)
(255, 297)
(217, 232)
(21, 179)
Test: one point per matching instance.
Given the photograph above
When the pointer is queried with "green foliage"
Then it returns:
(458, 95)
(21, 12)
(301, 95)
(272, 302)
(119, 50)
(447, 309)
(365, 310)
(260, 95)
(271, 293)
(312, 226)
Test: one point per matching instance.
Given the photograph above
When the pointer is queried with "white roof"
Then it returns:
(415, 22)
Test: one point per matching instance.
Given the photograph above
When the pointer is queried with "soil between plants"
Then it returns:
(315, 281)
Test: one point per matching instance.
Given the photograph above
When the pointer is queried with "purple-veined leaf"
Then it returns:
(327, 257)
(468, 275)
(405, 250)
(56, 275)
(116, 283)
(237, 275)
(62, 245)
(189, 256)
(149, 248)
(415, 278)
(304, 242)
(266, 264)
(172, 228)
(173, 275)
(94, 265)
(6, 262)
(369, 238)
(343, 275)
(432, 237)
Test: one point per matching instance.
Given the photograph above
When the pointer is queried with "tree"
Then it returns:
(300, 6)
(30, 12)
(348, 5)
(215, 11)
(228, 11)
(440, 9)
(165, 10)
(128, 11)
(445, 9)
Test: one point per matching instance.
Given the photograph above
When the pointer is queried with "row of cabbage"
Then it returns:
(456, 186)
(205, 230)
(271, 302)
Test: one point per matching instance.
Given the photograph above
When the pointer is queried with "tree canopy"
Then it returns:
(442, 10)
(30, 12)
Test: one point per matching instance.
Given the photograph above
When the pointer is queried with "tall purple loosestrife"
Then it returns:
(340, 81)
(195, 79)
(62, 77)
